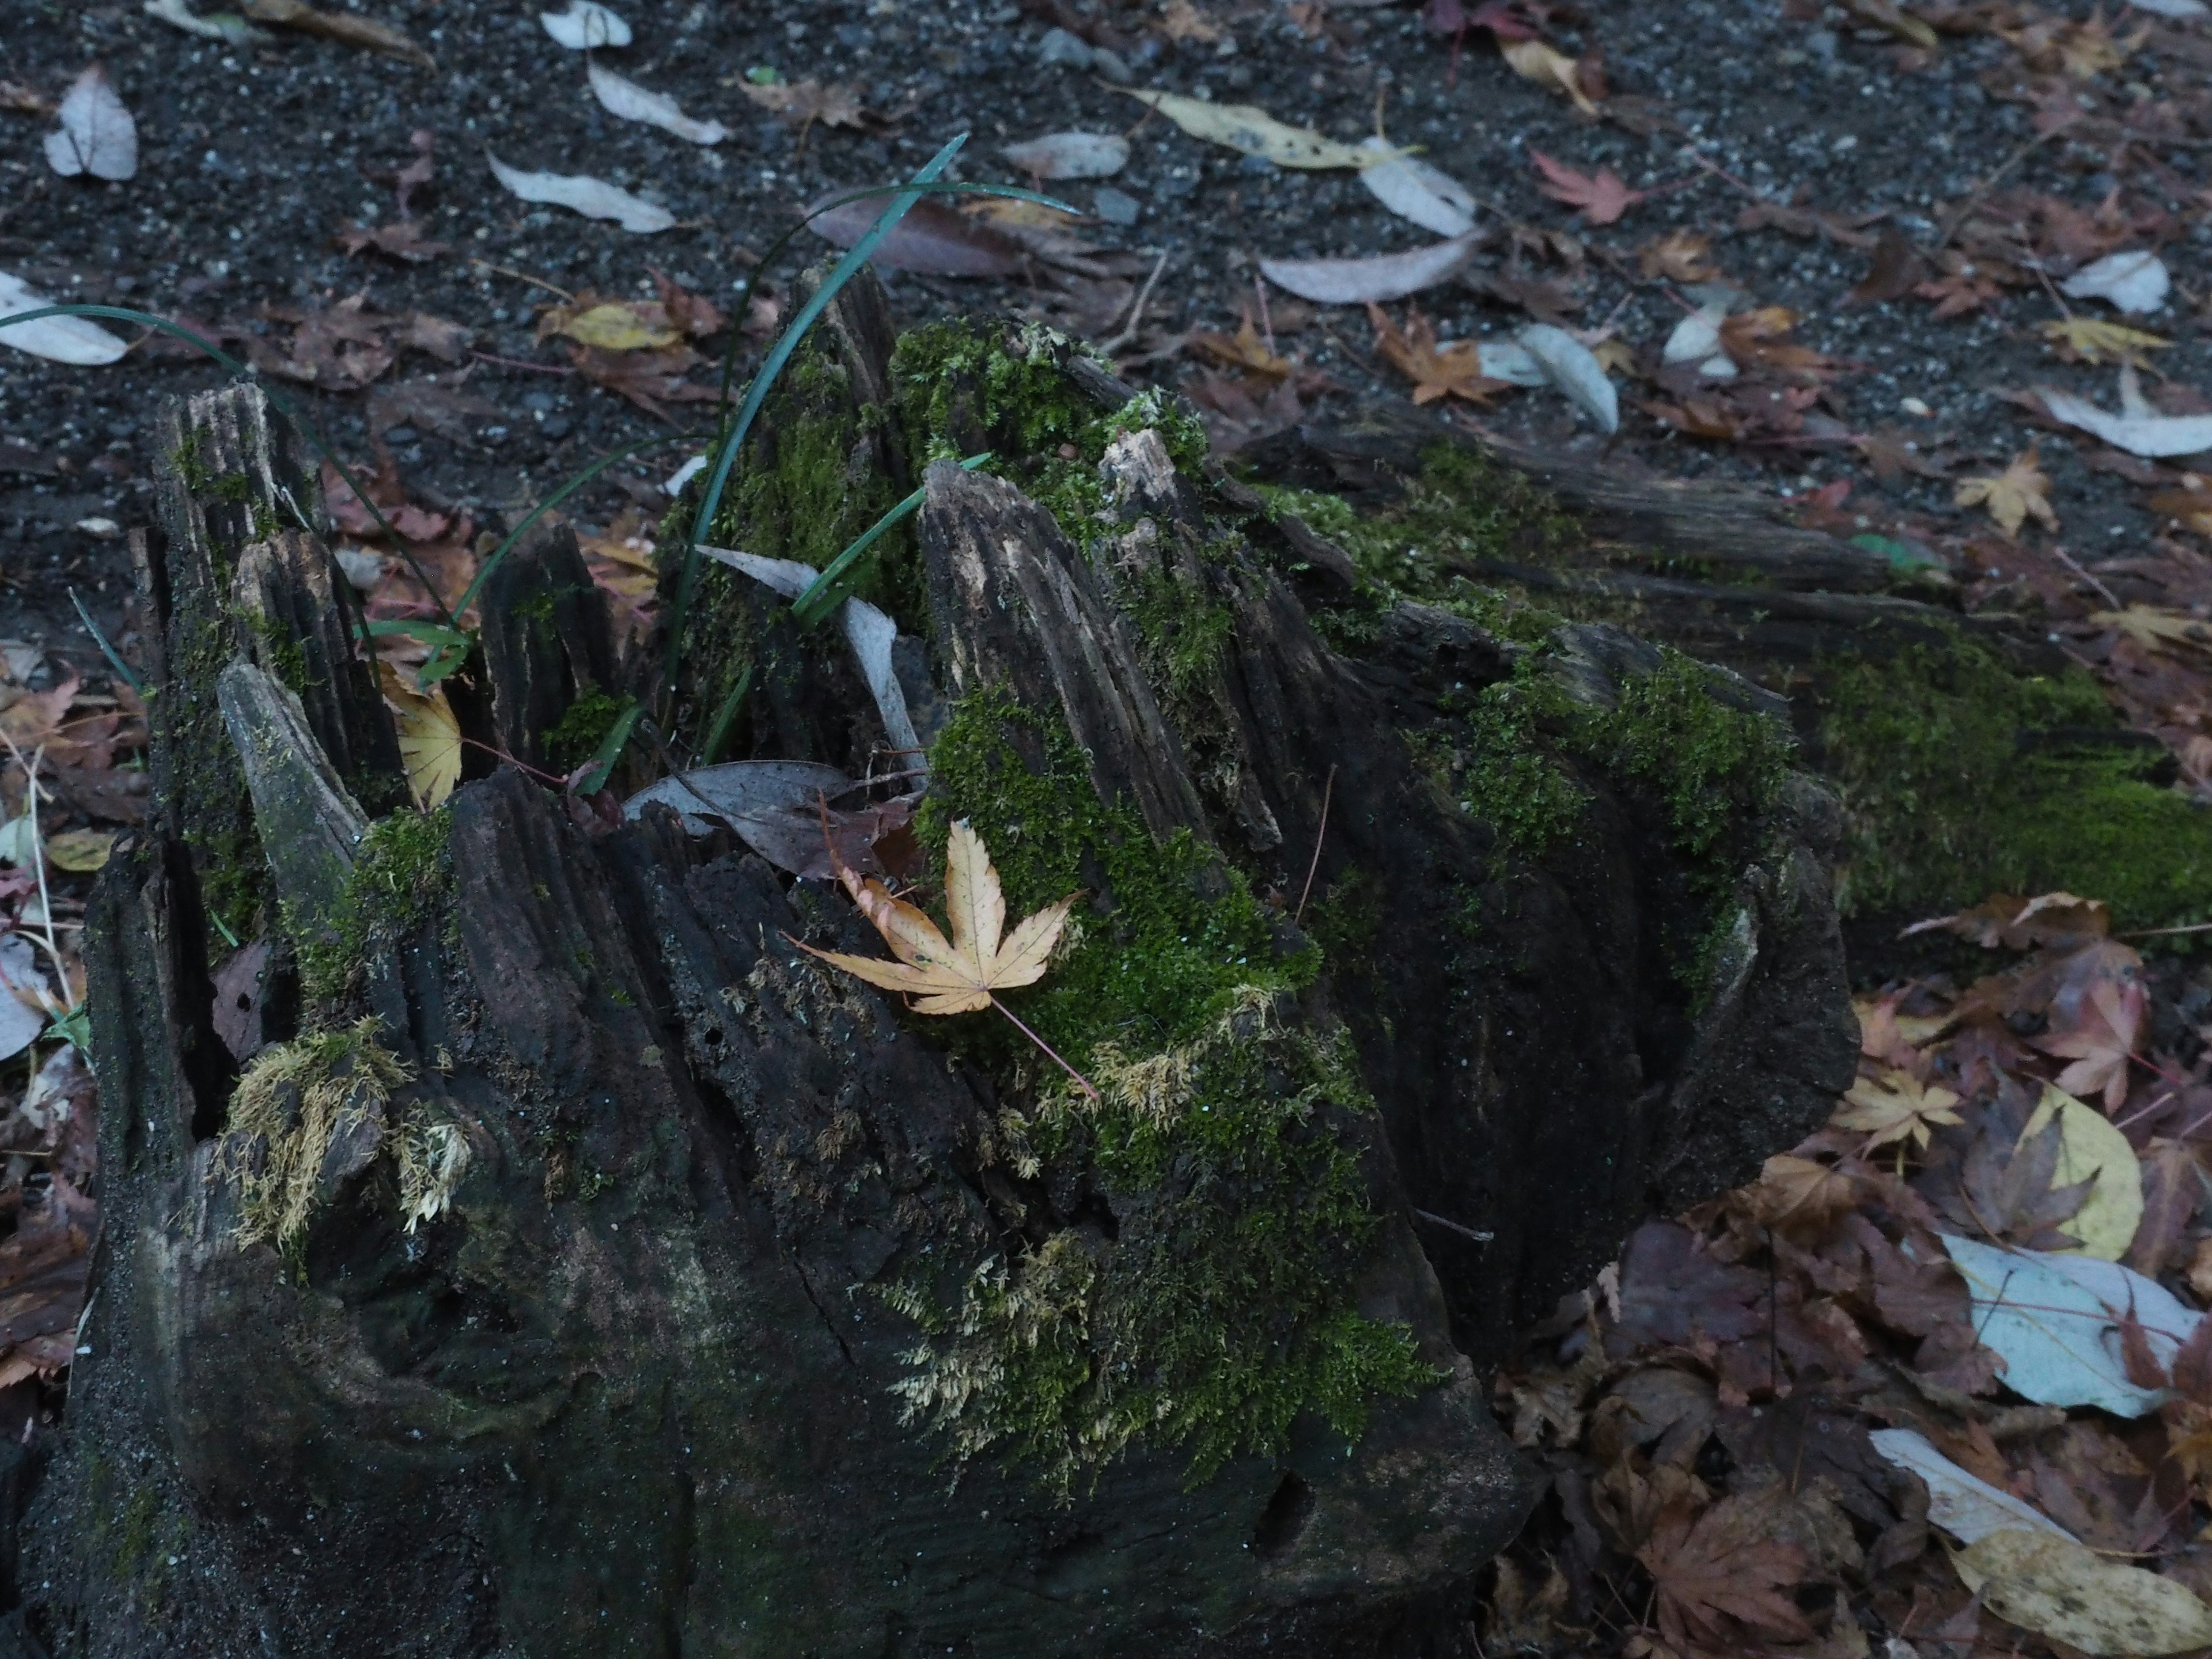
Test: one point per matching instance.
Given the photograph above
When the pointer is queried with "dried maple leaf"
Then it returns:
(429, 736)
(2095, 340)
(834, 105)
(1243, 350)
(1682, 255)
(2100, 1039)
(2021, 491)
(1181, 21)
(1896, 1107)
(959, 975)
(1760, 339)
(651, 379)
(1455, 370)
(1602, 198)
(402, 240)
(2001, 1184)
(1722, 1574)
(2157, 630)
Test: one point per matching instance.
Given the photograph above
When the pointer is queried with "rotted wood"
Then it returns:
(547, 639)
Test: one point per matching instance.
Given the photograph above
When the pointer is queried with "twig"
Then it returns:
(1464, 1232)
(2067, 559)
(1320, 836)
(2160, 933)
(517, 362)
(1081, 1081)
(524, 276)
(1137, 311)
(1974, 197)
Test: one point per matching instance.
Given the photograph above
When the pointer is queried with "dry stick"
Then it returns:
(1320, 836)
(517, 362)
(2067, 559)
(1137, 311)
(1081, 1081)
(1974, 197)
(1464, 1232)
(524, 276)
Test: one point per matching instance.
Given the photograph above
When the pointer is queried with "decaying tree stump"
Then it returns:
(580, 1269)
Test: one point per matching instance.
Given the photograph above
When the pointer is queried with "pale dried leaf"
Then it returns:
(97, 134)
(594, 199)
(623, 97)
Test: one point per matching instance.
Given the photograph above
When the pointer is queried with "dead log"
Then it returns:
(588, 1271)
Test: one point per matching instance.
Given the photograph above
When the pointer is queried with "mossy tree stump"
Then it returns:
(585, 1271)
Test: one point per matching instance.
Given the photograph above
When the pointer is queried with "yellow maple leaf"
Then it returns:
(2095, 340)
(429, 736)
(2013, 496)
(958, 976)
(2156, 628)
(1896, 1107)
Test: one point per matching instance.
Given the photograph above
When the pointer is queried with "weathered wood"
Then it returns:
(628, 1385)
(546, 640)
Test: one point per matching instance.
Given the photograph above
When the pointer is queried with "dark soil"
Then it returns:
(250, 159)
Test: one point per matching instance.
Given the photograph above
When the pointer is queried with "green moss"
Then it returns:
(401, 874)
(1962, 778)
(1217, 1307)
(963, 388)
(577, 737)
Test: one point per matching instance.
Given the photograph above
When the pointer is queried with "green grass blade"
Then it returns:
(611, 748)
(725, 717)
(827, 591)
(114, 658)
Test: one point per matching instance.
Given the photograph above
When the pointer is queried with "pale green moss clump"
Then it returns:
(297, 1100)
(402, 870)
(1216, 1306)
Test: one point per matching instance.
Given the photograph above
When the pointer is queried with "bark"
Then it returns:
(632, 1392)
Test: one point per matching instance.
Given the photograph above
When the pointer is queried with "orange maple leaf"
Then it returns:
(1453, 370)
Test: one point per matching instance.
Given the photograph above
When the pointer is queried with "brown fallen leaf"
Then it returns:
(19, 99)
(1243, 350)
(1896, 271)
(1181, 21)
(651, 379)
(933, 239)
(342, 26)
(1602, 198)
(836, 104)
(2020, 492)
(405, 239)
(1680, 256)
(1723, 1574)
(1455, 370)
(1896, 1107)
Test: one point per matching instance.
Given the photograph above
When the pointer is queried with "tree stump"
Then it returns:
(571, 1266)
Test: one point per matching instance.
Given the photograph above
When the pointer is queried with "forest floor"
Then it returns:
(1879, 211)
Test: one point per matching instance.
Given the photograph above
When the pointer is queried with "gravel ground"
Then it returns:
(253, 157)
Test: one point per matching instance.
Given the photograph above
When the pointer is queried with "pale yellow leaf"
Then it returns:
(2091, 1148)
(2061, 1589)
(617, 327)
(1250, 130)
(1548, 67)
(1896, 1107)
(429, 737)
(80, 850)
(2020, 492)
(2093, 340)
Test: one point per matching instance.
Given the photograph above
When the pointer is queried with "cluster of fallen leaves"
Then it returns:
(1939, 1376)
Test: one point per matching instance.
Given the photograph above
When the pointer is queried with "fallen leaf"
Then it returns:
(833, 105)
(1250, 131)
(1548, 67)
(2093, 340)
(1968, 1507)
(585, 26)
(81, 851)
(1888, 15)
(97, 134)
(1898, 269)
(2056, 1321)
(739, 789)
(1070, 156)
(1575, 370)
(958, 977)
(226, 27)
(77, 340)
(1243, 350)
(20, 99)
(344, 28)
(624, 98)
(2092, 1150)
(651, 379)
(932, 239)
(2022, 491)
(1602, 198)
(1416, 191)
(406, 239)
(1453, 370)
(1801, 1194)
(1383, 277)
(2136, 282)
(592, 198)
(2099, 1034)
(1181, 21)
(1723, 1574)
(2064, 1590)
(612, 324)
(1681, 256)
(429, 737)
(2155, 437)
(1896, 1108)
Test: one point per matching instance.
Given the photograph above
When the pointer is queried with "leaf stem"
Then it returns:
(1081, 1081)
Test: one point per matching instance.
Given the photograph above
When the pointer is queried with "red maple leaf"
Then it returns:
(1602, 199)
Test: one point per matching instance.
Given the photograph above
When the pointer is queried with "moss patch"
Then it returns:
(293, 1101)
(401, 872)
(583, 727)
(1216, 1307)
(1962, 778)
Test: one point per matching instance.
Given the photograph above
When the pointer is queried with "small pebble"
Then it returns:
(1115, 207)
(1068, 51)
